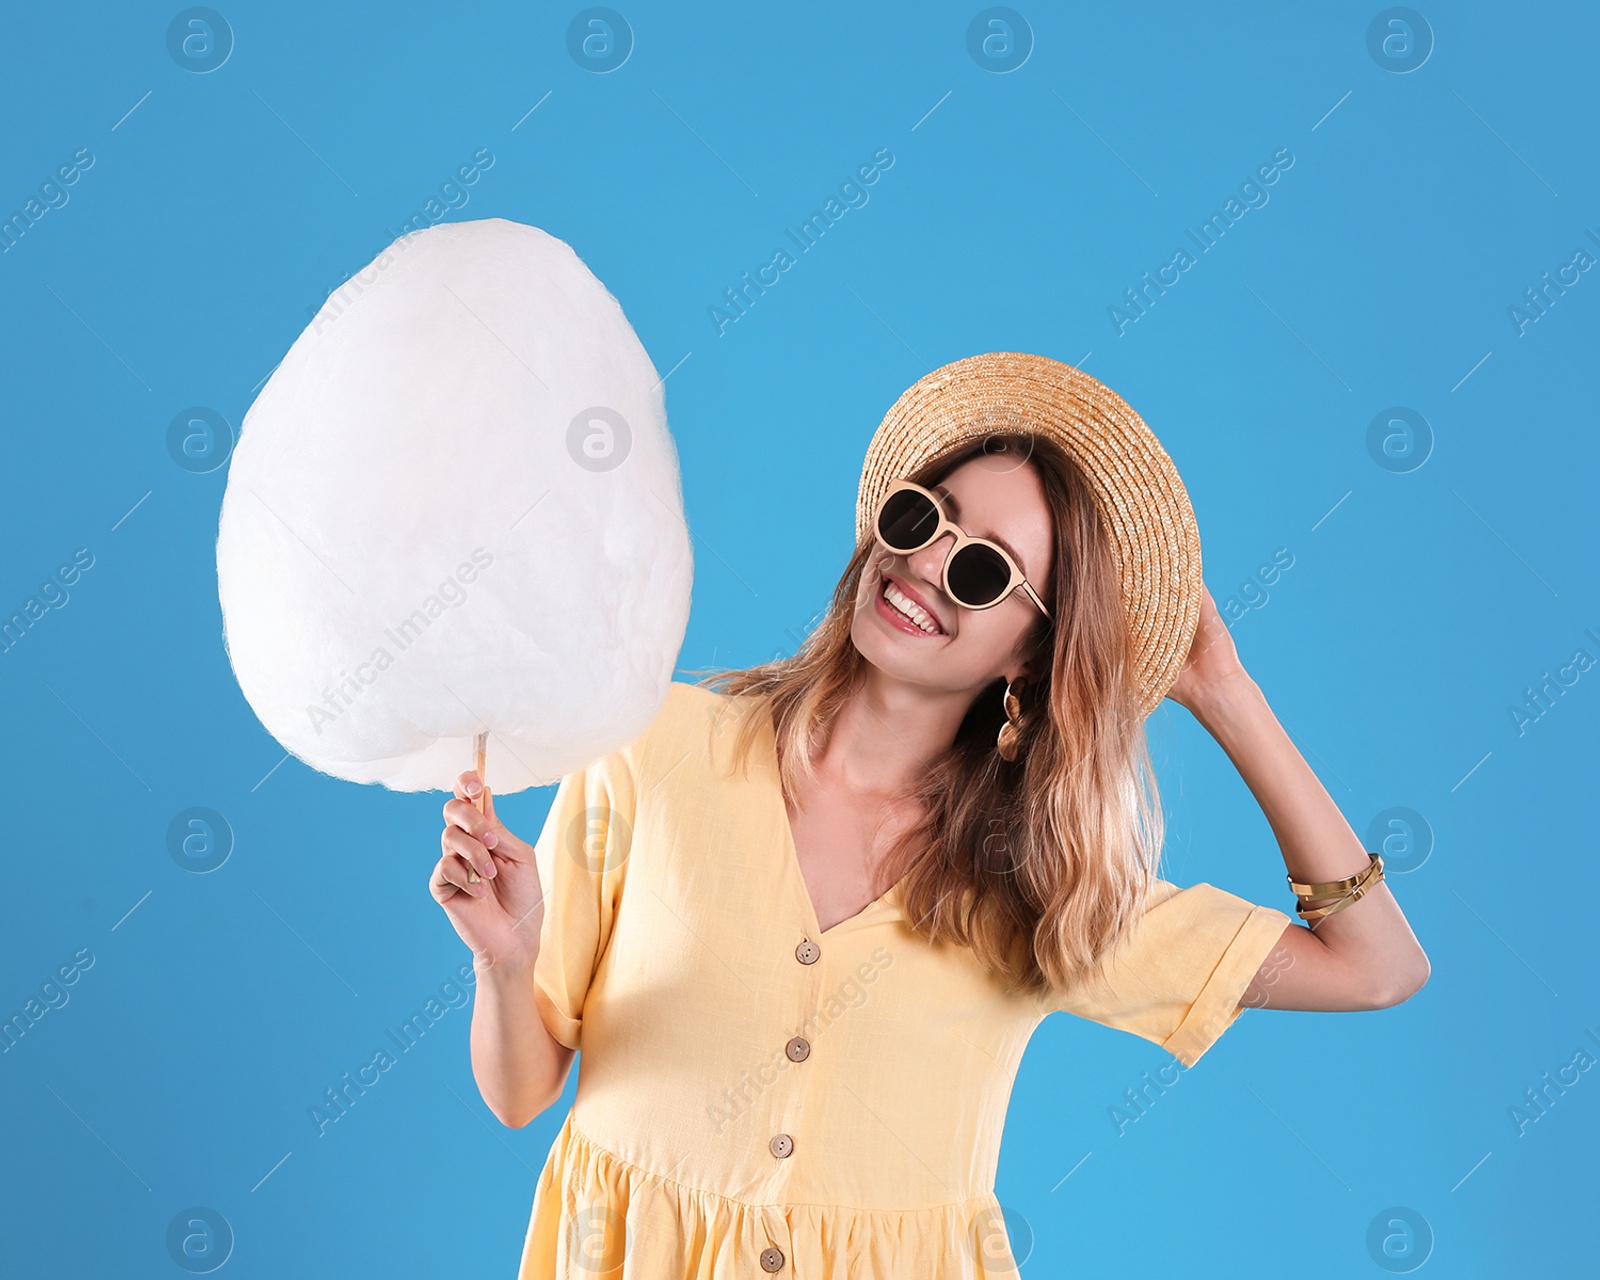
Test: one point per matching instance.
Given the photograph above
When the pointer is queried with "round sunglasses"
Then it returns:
(978, 574)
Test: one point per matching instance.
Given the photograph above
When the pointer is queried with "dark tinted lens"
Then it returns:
(977, 575)
(907, 521)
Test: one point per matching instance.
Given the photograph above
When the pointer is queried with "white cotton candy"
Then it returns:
(455, 508)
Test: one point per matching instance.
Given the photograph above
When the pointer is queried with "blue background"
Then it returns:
(1430, 586)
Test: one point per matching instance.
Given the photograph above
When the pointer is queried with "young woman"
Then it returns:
(803, 927)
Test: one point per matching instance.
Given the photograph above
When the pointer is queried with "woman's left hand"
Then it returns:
(1212, 657)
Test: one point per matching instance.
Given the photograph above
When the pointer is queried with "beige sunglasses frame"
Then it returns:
(946, 525)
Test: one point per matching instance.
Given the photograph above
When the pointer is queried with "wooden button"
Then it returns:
(772, 1259)
(782, 1146)
(798, 1049)
(807, 952)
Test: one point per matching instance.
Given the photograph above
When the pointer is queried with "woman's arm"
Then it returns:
(1364, 956)
(488, 884)
(519, 1066)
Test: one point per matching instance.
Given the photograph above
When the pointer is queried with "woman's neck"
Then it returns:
(887, 735)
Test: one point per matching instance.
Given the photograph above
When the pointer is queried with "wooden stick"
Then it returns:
(480, 747)
(480, 750)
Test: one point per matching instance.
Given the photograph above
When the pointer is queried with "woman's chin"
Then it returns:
(892, 653)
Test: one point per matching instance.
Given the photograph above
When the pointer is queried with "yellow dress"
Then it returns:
(758, 1095)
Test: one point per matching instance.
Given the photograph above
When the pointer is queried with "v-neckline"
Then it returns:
(791, 852)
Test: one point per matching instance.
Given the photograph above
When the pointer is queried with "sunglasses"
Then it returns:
(978, 574)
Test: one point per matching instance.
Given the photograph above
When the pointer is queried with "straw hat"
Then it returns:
(1143, 502)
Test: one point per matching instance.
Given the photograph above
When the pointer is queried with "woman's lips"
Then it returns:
(897, 619)
(916, 598)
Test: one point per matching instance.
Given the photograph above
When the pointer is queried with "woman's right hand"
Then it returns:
(499, 914)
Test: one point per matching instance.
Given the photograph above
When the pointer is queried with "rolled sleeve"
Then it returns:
(582, 858)
(1178, 977)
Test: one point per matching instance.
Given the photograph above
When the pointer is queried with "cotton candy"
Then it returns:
(455, 508)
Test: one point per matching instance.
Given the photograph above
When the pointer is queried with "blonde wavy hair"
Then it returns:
(1040, 865)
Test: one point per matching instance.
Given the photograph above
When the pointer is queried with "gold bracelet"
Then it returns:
(1356, 887)
(1334, 886)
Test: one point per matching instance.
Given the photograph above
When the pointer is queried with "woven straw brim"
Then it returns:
(1142, 501)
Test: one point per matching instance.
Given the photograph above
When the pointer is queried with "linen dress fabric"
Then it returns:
(758, 1095)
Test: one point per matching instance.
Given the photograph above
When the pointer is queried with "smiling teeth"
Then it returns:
(910, 608)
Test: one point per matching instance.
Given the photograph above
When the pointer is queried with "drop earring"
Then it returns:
(1011, 731)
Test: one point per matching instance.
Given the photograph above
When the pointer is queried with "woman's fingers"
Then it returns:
(452, 876)
(470, 787)
(466, 816)
(461, 814)
(471, 851)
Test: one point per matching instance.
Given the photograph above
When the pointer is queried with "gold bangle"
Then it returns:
(1373, 869)
(1373, 875)
(1335, 886)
